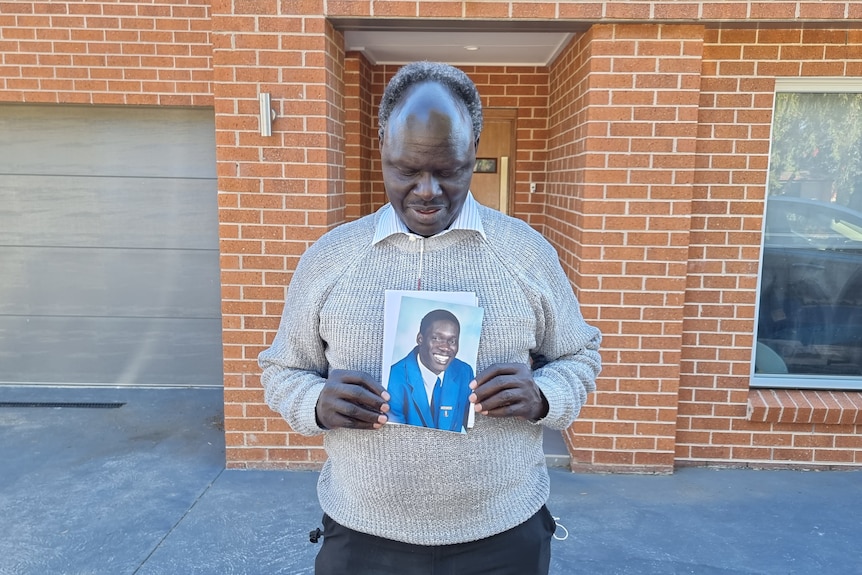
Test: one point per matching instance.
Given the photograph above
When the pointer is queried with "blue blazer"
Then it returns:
(409, 403)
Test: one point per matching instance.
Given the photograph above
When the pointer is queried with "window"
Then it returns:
(809, 318)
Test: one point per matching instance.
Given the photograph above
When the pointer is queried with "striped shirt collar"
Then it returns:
(390, 224)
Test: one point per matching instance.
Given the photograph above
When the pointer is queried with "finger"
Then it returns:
(357, 402)
(344, 422)
(359, 390)
(522, 407)
(358, 396)
(347, 401)
(502, 398)
(509, 396)
(349, 414)
(506, 411)
(359, 378)
(495, 370)
(497, 385)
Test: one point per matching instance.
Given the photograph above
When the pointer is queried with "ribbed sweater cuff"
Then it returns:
(305, 416)
(556, 416)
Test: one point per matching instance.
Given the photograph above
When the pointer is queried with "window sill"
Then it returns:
(805, 406)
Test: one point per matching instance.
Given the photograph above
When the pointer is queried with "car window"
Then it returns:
(794, 222)
(848, 229)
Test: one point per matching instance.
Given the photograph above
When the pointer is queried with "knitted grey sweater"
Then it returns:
(409, 483)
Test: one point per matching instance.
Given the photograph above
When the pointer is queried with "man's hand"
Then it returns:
(508, 390)
(351, 399)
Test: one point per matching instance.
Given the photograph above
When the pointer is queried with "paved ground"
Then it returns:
(142, 489)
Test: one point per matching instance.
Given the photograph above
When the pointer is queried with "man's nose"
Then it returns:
(428, 187)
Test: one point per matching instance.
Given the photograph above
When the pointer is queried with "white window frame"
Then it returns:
(783, 380)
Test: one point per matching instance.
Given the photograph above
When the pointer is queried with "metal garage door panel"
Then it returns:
(108, 211)
(107, 141)
(108, 246)
(109, 282)
(125, 351)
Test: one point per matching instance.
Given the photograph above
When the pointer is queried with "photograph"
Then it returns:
(430, 359)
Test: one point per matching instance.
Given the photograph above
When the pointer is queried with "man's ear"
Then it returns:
(419, 339)
(477, 143)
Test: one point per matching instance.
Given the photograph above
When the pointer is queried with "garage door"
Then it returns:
(109, 270)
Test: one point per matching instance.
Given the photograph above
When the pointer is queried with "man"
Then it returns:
(403, 499)
(430, 386)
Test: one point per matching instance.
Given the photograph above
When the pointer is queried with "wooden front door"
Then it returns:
(493, 176)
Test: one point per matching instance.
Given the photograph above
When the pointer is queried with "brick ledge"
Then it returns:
(805, 406)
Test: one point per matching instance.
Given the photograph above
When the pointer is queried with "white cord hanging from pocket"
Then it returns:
(560, 526)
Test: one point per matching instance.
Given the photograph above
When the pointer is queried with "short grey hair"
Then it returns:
(455, 80)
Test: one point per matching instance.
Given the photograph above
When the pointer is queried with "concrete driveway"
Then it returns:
(141, 489)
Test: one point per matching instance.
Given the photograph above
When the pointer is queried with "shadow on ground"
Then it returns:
(141, 489)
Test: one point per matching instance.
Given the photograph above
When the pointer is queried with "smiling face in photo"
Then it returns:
(438, 346)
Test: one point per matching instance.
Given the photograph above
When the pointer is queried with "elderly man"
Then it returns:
(405, 499)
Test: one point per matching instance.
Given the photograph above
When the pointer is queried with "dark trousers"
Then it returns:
(522, 550)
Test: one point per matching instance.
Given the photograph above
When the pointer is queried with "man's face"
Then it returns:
(427, 153)
(438, 346)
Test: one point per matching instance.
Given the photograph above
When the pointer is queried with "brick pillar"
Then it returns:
(276, 194)
(624, 104)
(360, 135)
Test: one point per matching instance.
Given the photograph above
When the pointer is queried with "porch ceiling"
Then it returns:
(459, 43)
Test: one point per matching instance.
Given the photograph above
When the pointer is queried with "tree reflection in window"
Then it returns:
(810, 312)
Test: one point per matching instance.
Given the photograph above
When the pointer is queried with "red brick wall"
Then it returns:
(728, 11)
(361, 136)
(737, 92)
(648, 142)
(276, 195)
(624, 125)
(92, 52)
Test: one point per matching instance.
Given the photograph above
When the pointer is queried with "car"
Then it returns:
(810, 311)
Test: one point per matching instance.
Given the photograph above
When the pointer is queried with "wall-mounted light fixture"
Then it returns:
(267, 114)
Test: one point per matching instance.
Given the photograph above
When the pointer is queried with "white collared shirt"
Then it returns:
(390, 224)
(429, 378)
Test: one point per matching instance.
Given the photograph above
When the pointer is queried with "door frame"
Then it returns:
(510, 115)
